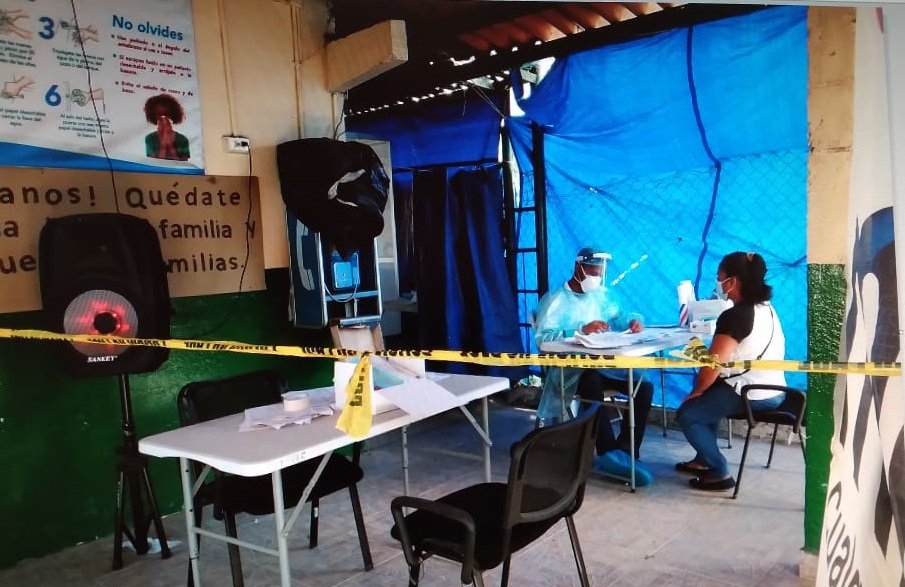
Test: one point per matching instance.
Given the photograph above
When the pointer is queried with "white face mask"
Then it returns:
(719, 289)
(589, 283)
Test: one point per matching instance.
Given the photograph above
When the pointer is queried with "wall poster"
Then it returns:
(113, 79)
(209, 227)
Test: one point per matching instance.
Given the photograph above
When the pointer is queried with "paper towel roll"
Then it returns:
(296, 404)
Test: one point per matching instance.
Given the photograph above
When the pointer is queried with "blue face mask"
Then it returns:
(719, 289)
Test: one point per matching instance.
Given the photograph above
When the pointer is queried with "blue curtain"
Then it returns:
(449, 224)
(464, 293)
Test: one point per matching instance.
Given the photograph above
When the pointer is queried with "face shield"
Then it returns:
(588, 258)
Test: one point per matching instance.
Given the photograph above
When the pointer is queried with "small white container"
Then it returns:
(685, 293)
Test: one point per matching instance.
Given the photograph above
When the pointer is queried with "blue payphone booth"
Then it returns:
(327, 289)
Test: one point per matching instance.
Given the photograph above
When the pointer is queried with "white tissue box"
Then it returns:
(701, 310)
(342, 373)
(705, 327)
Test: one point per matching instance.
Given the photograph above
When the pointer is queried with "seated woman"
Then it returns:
(749, 330)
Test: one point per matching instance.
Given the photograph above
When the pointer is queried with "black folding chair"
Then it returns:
(791, 412)
(482, 525)
(234, 494)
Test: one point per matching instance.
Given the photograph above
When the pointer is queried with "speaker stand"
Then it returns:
(133, 478)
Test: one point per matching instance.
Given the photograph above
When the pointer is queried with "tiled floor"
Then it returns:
(665, 535)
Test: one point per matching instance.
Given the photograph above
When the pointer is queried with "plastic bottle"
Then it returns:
(686, 295)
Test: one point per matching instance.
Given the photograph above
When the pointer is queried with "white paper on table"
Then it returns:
(612, 340)
(276, 416)
(420, 397)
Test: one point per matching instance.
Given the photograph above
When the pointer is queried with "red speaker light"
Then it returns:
(107, 322)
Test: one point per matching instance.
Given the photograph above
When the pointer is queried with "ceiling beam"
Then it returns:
(432, 24)
(419, 78)
(612, 11)
(561, 21)
(584, 16)
(541, 28)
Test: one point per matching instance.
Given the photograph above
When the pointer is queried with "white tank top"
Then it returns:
(766, 341)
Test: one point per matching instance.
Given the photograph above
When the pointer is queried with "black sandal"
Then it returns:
(693, 467)
(704, 484)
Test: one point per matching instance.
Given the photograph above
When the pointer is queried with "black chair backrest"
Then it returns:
(549, 469)
(793, 405)
(206, 400)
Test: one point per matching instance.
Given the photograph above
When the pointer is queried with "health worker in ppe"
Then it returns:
(585, 304)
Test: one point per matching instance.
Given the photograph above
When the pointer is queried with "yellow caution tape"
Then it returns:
(691, 357)
(696, 351)
(355, 419)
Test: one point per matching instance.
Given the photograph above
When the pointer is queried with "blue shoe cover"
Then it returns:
(616, 463)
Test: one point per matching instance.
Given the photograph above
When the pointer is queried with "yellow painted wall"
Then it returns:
(831, 60)
(261, 75)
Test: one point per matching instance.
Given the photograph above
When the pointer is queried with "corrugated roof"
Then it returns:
(452, 41)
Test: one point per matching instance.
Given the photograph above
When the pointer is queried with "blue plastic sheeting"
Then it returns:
(461, 129)
(671, 152)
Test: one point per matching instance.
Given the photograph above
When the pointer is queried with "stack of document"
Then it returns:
(613, 340)
(276, 415)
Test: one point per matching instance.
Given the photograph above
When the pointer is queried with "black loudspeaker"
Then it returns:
(103, 274)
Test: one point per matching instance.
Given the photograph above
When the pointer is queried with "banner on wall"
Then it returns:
(862, 541)
(204, 224)
(112, 79)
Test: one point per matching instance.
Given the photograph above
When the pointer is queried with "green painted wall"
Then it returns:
(58, 434)
(826, 309)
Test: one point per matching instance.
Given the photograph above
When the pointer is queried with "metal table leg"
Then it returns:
(663, 395)
(483, 431)
(487, 443)
(405, 460)
(280, 522)
(284, 526)
(562, 394)
(188, 499)
(631, 425)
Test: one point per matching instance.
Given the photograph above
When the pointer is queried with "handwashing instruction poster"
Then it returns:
(116, 76)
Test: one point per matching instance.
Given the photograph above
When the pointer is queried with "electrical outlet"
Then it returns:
(236, 144)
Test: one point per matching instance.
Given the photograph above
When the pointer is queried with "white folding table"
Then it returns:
(219, 444)
(661, 339)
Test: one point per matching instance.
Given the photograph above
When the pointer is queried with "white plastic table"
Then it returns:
(219, 444)
(666, 338)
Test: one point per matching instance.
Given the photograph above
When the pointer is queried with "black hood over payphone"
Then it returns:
(336, 188)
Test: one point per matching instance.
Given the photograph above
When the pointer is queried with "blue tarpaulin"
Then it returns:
(458, 129)
(448, 195)
(672, 151)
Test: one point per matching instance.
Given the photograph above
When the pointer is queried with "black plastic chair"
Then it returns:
(482, 525)
(791, 412)
(234, 494)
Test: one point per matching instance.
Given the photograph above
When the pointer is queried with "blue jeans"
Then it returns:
(700, 420)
